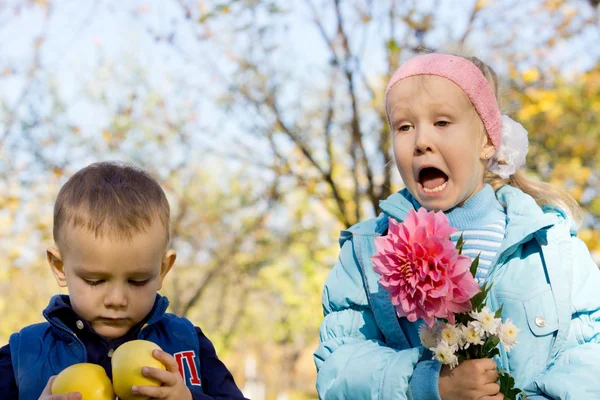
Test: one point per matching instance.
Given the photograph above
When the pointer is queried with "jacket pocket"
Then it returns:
(542, 316)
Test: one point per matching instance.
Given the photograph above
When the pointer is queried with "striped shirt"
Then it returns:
(482, 222)
(485, 242)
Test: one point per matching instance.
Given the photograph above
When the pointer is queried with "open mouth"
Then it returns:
(432, 180)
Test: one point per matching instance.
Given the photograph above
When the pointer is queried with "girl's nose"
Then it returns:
(423, 143)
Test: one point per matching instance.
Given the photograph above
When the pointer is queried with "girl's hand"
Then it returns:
(470, 380)
(173, 387)
(47, 395)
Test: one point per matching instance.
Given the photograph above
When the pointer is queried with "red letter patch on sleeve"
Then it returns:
(190, 359)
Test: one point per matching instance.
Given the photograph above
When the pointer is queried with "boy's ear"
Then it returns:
(166, 265)
(56, 265)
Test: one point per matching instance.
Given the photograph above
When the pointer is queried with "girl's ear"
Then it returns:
(56, 265)
(488, 150)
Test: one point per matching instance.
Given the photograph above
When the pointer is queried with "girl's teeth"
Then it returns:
(437, 189)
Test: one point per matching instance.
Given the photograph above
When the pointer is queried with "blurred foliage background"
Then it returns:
(264, 122)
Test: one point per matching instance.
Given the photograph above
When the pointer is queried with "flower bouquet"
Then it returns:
(429, 278)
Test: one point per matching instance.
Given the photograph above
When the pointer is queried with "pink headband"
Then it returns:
(465, 75)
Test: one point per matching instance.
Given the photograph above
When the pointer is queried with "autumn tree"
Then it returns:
(264, 122)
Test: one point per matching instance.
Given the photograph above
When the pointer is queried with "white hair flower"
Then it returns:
(511, 154)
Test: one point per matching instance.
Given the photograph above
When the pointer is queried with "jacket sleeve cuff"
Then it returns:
(198, 395)
(424, 383)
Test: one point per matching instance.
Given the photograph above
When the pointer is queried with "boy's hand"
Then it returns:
(173, 387)
(470, 380)
(47, 395)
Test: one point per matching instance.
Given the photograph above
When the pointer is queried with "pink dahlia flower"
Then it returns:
(421, 269)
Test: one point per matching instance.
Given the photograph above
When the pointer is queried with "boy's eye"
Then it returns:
(442, 123)
(139, 283)
(92, 282)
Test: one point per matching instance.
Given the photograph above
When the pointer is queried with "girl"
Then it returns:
(456, 153)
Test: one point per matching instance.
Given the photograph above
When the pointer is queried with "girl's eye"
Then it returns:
(442, 123)
(404, 128)
(139, 283)
(93, 283)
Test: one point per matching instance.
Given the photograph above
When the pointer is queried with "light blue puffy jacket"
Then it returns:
(545, 278)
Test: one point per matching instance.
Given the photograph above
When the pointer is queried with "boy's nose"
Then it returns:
(116, 297)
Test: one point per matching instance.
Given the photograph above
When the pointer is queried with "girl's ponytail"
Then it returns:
(544, 193)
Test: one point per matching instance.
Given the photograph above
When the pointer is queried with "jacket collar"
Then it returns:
(525, 219)
(398, 205)
(60, 306)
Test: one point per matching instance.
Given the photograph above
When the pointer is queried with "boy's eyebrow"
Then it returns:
(149, 271)
(142, 274)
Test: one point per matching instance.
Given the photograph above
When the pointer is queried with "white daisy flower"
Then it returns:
(485, 323)
(429, 335)
(508, 334)
(451, 334)
(444, 353)
(472, 337)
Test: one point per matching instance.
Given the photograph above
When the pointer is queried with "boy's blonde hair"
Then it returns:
(110, 198)
(544, 193)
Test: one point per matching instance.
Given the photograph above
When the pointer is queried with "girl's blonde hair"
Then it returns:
(544, 193)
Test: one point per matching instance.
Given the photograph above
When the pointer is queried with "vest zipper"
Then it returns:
(74, 335)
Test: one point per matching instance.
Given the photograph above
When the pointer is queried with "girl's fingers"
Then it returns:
(488, 364)
(491, 376)
(165, 377)
(499, 396)
(491, 389)
(168, 361)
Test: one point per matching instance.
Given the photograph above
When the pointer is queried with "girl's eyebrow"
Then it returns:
(403, 110)
(444, 106)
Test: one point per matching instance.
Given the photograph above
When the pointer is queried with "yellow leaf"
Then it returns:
(531, 75)
(12, 203)
(13, 254)
(481, 4)
(553, 5)
(527, 111)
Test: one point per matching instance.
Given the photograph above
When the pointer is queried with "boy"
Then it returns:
(111, 229)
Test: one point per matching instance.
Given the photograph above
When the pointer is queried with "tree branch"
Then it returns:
(468, 29)
(225, 257)
(357, 136)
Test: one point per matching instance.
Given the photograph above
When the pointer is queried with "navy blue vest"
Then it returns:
(42, 350)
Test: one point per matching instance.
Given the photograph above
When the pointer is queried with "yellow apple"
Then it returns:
(127, 363)
(88, 379)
